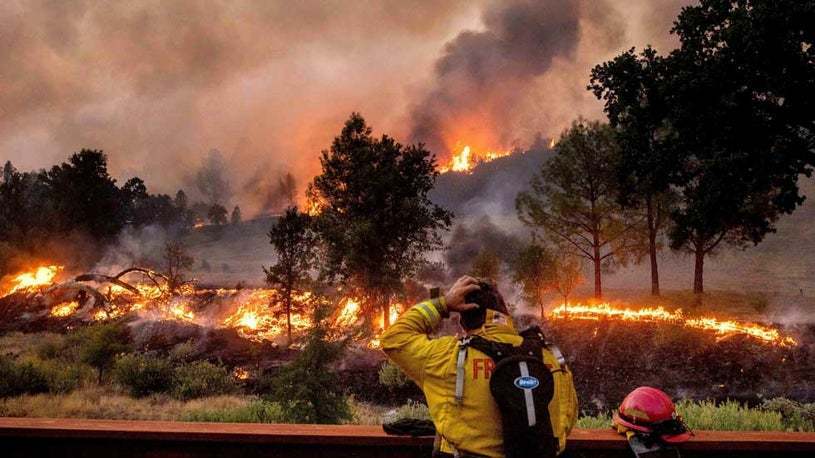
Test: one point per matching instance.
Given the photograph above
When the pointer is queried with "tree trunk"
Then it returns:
(288, 315)
(652, 248)
(598, 282)
(698, 271)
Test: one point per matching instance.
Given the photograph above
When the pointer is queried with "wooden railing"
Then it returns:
(34, 437)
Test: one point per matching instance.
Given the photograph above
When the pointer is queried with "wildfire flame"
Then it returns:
(33, 280)
(466, 160)
(64, 309)
(720, 327)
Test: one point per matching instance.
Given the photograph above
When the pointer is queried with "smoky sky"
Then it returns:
(159, 84)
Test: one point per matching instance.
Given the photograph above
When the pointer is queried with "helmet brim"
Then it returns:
(676, 438)
(633, 426)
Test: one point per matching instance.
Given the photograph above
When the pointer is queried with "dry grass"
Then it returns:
(104, 403)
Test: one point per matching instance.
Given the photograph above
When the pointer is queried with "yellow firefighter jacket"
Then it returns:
(474, 425)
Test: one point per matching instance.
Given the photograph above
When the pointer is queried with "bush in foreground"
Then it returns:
(21, 377)
(142, 375)
(307, 389)
(202, 378)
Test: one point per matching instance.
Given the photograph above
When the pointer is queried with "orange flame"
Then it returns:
(64, 309)
(720, 327)
(466, 160)
(33, 280)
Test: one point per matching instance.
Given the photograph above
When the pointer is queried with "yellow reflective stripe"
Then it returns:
(423, 309)
(432, 309)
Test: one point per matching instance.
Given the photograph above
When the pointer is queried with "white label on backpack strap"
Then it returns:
(530, 402)
(462, 358)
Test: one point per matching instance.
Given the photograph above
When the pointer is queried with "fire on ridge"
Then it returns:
(466, 159)
(720, 326)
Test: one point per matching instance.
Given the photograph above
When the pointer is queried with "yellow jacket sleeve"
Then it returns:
(407, 342)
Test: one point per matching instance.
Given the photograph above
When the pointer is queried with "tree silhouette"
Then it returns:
(741, 94)
(375, 218)
(633, 89)
(294, 244)
(574, 200)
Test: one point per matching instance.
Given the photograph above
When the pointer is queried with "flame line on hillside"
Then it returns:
(722, 327)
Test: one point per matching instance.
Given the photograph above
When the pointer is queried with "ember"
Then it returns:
(723, 328)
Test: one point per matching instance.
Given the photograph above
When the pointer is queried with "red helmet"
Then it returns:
(650, 410)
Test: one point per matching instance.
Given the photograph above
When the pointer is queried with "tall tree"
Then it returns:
(568, 274)
(375, 218)
(633, 89)
(574, 200)
(741, 94)
(85, 196)
(534, 271)
(294, 244)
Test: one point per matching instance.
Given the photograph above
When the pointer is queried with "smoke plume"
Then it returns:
(158, 84)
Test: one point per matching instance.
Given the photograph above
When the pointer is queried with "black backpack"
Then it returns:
(522, 387)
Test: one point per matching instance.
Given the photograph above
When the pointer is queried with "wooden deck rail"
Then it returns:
(30, 437)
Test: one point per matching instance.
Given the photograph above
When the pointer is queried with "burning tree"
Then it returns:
(294, 243)
(574, 200)
(375, 218)
(176, 263)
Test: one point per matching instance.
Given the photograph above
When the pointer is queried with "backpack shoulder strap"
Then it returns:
(495, 350)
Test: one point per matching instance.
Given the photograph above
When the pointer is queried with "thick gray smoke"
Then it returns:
(524, 73)
(483, 75)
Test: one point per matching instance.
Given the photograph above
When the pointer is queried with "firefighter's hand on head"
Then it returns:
(455, 296)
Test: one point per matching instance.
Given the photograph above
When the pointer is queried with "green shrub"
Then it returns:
(143, 375)
(99, 345)
(412, 409)
(21, 377)
(50, 346)
(183, 353)
(307, 389)
(728, 416)
(602, 421)
(63, 377)
(256, 412)
(202, 378)
(391, 376)
(795, 415)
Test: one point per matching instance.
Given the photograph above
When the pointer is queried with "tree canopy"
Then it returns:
(574, 200)
(375, 218)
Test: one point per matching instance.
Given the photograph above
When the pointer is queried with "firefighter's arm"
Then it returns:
(407, 342)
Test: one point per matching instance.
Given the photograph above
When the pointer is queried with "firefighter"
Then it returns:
(648, 419)
(456, 384)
